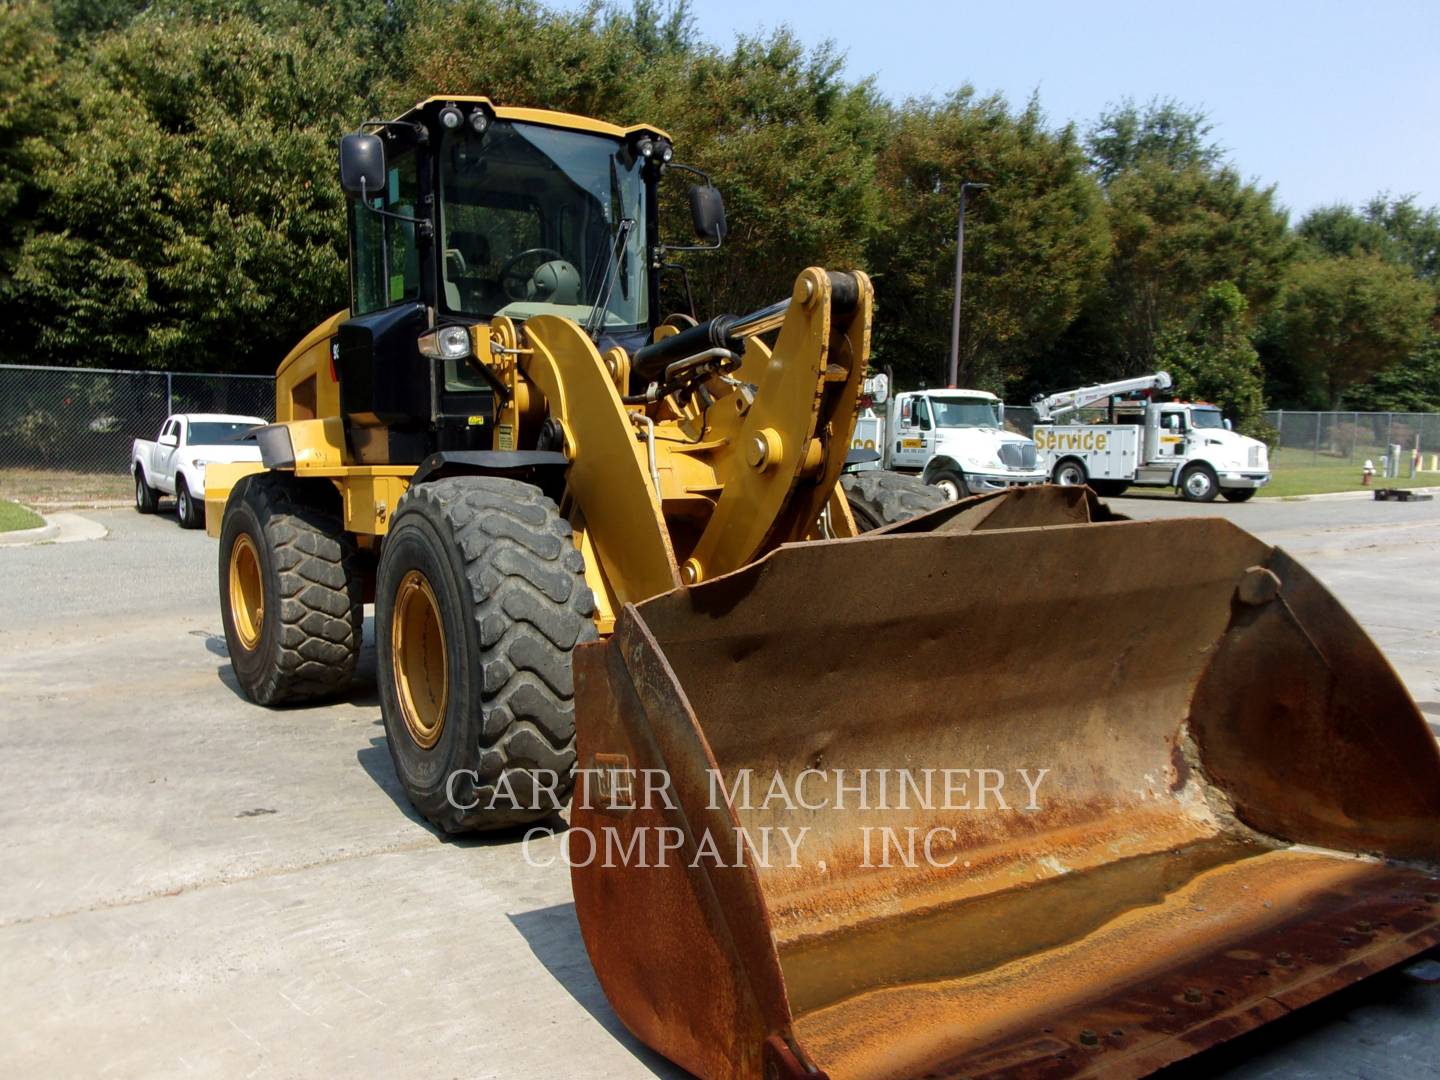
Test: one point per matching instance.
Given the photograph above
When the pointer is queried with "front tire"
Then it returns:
(879, 497)
(190, 513)
(951, 484)
(1070, 473)
(1238, 495)
(291, 592)
(147, 499)
(1198, 483)
(480, 600)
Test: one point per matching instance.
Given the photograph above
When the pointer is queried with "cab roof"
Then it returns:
(547, 117)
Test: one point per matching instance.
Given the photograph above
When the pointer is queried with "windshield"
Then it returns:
(530, 217)
(965, 412)
(210, 432)
(1206, 418)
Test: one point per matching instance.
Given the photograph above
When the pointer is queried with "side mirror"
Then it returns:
(707, 210)
(168, 440)
(362, 164)
(1229, 426)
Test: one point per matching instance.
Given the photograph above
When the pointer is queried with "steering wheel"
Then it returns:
(508, 274)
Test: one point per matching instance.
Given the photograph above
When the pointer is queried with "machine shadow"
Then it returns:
(362, 693)
(553, 934)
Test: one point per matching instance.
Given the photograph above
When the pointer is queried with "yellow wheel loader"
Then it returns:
(615, 553)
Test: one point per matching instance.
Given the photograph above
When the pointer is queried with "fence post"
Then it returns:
(169, 395)
(1315, 455)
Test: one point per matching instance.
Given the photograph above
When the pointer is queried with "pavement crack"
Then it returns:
(220, 881)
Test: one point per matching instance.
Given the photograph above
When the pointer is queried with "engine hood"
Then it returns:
(978, 448)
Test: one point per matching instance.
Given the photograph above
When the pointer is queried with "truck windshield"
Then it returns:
(213, 432)
(1206, 418)
(530, 217)
(965, 412)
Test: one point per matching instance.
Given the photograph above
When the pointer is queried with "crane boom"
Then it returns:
(1053, 406)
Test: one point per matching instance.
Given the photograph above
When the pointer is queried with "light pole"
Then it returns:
(965, 189)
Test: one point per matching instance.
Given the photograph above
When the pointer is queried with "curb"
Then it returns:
(38, 535)
(1331, 496)
(58, 529)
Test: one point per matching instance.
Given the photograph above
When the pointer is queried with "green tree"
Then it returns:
(1212, 358)
(1035, 241)
(1126, 135)
(1177, 234)
(1396, 230)
(1408, 385)
(192, 221)
(1342, 320)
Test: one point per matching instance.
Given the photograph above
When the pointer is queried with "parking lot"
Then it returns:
(190, 884)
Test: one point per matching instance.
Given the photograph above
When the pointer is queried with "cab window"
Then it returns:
(385, 258)
(922, 414)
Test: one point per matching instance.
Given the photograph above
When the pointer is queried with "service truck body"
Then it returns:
(1185, 445)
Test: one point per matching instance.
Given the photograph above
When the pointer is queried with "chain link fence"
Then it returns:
(84, 419)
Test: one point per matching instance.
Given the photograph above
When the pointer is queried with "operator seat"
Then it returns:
(466, 261)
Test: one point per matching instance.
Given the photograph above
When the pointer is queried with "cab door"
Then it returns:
(1173, 435)
(913, 432)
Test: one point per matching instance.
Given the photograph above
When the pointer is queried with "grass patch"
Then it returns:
(55, 488)
(13, 517)
(1327, 477)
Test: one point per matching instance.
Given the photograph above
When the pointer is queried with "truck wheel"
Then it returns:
(879, 497)
(1110, 488)
(479, 601)
(1198, 483)
(147, 499)
(951, 484)
(291, 593)
(1238, 494)
(1069, 473)
(190, 513)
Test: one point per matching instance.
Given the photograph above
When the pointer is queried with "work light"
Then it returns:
(446, 343)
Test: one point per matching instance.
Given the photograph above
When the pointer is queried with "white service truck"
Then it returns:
(173, 463)
(1181, 444)
(954, 439)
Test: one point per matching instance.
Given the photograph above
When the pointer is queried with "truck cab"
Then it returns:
(955, 439)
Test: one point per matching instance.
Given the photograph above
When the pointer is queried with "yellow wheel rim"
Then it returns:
(417, 659)
(247, 592)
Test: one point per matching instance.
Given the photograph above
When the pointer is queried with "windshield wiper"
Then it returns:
(607, 283)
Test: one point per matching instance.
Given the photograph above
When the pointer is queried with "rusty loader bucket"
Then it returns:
(1019, 788)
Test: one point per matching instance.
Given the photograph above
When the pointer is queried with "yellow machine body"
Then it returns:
(1239, 805)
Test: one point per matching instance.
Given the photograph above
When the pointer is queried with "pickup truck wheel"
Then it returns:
(190, 512)
(1198, 483)
(147, 499)
(951, 484)
(291, 592)
(879, 497)
(1238, 494)
(1069, 473)
(480, 599)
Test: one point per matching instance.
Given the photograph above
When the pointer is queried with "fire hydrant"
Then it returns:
(1368, 473)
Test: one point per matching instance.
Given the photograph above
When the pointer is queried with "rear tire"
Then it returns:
(879, 497)
(291, 592)
(190, 513)
(1198, 483)
(1070, 473)
(147, 499)
(1110, 488)
(1238, 495)
(951, 484)
(480, 600)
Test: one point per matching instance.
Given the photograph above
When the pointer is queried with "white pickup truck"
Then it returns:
(954, 439)
(173, 463)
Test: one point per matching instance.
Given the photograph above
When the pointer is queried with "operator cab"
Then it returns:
(462, 212)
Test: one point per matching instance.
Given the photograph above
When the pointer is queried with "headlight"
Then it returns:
(981, 463)
(200, 463)
(447, 343)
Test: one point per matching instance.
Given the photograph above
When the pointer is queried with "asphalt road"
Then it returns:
(193, 885)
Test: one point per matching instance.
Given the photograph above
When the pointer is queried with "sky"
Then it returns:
(1331, 102)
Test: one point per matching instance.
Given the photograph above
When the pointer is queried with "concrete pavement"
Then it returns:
(193, 885)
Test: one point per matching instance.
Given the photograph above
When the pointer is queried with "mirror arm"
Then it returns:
(425, 227)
